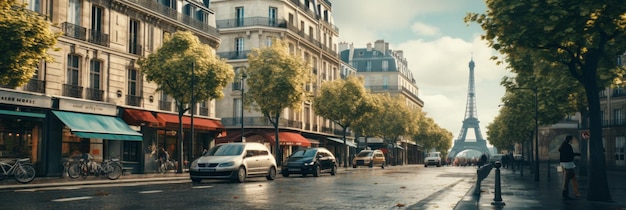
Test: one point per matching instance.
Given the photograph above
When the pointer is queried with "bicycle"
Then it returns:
(110, 168)
(22, 170)
(164, 166)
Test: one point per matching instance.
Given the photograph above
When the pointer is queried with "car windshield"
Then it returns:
(225, 150)
(304, 153)
(433, 155)
(364, 154)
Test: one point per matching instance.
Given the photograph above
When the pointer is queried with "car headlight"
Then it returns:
(194, 164)
(227, 164)
(309, 163)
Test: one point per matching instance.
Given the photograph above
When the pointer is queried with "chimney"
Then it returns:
(343, 46)
(369, 47)
(380, 46)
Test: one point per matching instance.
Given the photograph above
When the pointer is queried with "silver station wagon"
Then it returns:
(234, 161)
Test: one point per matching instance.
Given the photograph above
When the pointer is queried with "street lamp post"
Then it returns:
(534, 89)
(243, 78)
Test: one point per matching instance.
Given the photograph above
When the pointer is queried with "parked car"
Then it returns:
(432, 158)
(234, 161)
(369, 158)
(310, 161)
(496, 157)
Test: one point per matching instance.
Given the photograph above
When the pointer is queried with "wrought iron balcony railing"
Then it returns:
(133, 100)
(234, 54)
(165, 105)
(175, 15)
(98, 38)
(95, 94)
(204, 111)
(135, 48)
(35, 85)
(251, 21)
(73, 30)
(72, 91)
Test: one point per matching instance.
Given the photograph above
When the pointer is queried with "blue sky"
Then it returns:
(438, 46)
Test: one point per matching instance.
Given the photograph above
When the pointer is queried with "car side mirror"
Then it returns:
(319, 156)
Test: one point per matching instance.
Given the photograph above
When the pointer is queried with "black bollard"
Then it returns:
(497, 200)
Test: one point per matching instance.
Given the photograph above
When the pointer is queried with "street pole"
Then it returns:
(193, 107)
(536, 136)
(243, 78)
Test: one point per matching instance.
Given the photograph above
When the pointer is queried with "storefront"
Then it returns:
(22, 117)
(80, 127)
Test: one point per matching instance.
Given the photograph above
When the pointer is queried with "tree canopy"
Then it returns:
(583, 37)
(431, 136)
(26, 36)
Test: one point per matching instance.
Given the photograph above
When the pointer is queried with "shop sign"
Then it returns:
(87, 107)
(24, 99)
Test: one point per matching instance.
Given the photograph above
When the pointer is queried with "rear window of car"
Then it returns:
(364, 154)
(225, 150)
(433, 154)
(304, 153)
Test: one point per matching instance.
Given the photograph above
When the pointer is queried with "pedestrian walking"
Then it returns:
(567, 163)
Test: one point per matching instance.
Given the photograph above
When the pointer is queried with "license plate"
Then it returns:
(294, 169)
(207, 170)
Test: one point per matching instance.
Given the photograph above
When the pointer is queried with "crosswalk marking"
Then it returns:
(151, 191)
(201, 187)
(71, 199)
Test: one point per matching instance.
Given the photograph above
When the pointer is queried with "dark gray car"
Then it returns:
(310, 161)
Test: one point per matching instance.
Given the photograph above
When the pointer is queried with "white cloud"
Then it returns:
(424, 29)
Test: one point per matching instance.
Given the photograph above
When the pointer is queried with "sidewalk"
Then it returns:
(519, 192)
(39, 182)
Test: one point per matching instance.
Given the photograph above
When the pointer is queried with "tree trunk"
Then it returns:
(598, 183)
(345, 147)
(583, 169)
(180, 139)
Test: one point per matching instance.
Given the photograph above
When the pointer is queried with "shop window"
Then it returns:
(131, 151)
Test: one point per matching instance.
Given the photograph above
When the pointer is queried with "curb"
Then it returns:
(71, 182)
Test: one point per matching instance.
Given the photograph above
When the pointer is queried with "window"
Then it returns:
(202, 16)
(620, 150)
(150, 37)
(73, 69)
(34, 5)
(385, 65)
(204, 108)
(617, 117)
(237, 110)
(168, 3)
(311, 33)
(130, 152)
(239, 16)
(187, 9)
(272, 16)
(239, 45)
(291, 21)
(385, 82)
(132, 82)
(368, 66)
(73, 12)
(97, 14)
(95, 67)
(268, 41)
(164, 103)
(133, 38)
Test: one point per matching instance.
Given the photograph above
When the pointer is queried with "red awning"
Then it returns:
(170, 120)
(289, 138)
(139, 117)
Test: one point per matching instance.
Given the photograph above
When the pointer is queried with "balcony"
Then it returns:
(618, 92)
(135, 48)
(72, 91)
(165, 105)
(204, 111)
(234, 54)
(35, 85)
(251, 21)
(95, 94)
(133, 100)
(98, 38)
(175, 15)
(74, 31)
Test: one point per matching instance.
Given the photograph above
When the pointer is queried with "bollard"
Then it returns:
(497, 199)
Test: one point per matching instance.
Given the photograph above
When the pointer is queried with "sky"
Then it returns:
(438, 46)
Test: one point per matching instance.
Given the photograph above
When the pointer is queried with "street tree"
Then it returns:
(188, 71)
(26, 37)
(431, 136)
(343, 102)
(584, 37)
(394, 120)
(276, 82)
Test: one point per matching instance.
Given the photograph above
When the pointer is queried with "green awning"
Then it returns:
(97, 126)
(23, 114)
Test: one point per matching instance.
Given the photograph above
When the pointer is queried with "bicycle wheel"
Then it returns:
(113, 171)
(74, 170)
(25, 173)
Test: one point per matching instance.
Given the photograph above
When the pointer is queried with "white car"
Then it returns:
(234, 161)
(432, 158)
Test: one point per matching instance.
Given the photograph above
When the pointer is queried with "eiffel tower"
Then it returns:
(470, 121)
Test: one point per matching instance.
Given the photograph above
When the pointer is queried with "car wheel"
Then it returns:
(438, 164)
(371, 164)
(241, 175)
(317, 171)
(354, 166)
(382, 165)
(334, 170)
(271, 175)
(285, 174)
(425, 165)
(196, 180)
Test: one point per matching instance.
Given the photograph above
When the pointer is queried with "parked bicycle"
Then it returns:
(21, 169)
(110, 168)
(165, 166)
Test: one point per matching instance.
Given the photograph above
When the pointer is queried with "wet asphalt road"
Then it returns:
(399, 187)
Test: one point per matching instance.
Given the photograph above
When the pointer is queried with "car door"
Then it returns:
(252, 160)
(265, 160)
